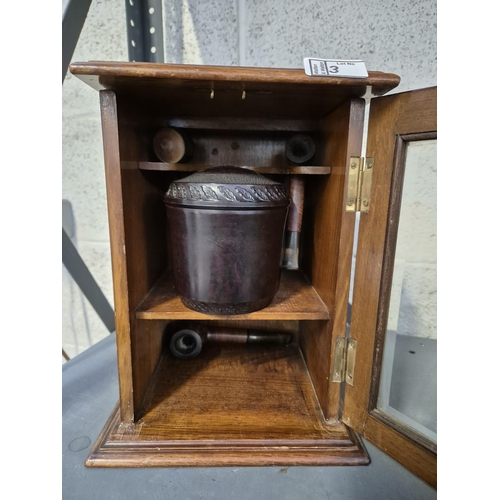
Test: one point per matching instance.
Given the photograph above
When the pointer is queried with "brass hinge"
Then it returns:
(344, 359)
(359, 184)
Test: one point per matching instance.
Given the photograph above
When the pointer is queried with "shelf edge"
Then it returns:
(195, 167)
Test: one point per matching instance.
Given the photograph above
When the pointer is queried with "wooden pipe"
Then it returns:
(187, 343)
(299, 149)
(172, 146)
(294, 222)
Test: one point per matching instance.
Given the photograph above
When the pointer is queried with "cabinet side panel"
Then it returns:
(109, 118)
(145, 227)
(147, 338)
(329, 233)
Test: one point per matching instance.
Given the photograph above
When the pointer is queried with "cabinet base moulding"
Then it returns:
(109, 451)
(269, 416)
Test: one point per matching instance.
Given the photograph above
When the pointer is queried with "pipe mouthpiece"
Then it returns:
(258, 337)
(291, 256)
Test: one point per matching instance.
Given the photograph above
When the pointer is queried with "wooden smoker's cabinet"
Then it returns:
(290, 405)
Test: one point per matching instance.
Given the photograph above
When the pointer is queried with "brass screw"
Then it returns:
(365, 203)
(350, 203)
(369, 165)
(353, 165)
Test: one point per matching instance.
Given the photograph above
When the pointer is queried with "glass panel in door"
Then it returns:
(407, 390)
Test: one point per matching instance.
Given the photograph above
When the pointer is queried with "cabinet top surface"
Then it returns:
(265, 90)
(119, 71)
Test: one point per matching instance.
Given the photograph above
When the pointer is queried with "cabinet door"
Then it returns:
(392, 399)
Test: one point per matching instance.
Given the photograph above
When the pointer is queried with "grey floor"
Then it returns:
(90, 391)
(414, 377)
(408, 385)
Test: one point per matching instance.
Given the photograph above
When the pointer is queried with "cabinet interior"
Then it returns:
(308, 300)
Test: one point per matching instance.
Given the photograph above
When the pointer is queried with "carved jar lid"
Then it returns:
(227, 187)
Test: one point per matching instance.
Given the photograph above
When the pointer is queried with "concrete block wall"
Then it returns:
(413, 308)
(397, 36)
(83, 188)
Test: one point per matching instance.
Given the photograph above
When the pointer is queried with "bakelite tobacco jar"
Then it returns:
(226, 229)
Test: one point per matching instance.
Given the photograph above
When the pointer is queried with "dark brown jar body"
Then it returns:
(226, 262)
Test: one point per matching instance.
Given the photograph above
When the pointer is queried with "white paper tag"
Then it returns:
(335, 67)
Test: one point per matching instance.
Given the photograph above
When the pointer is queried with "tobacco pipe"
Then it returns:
(299, 149)
(172, 146)
(187, 343)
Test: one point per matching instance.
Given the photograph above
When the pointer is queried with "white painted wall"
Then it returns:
(397, 36)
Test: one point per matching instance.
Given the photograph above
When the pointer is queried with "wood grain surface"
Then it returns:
(195, 167)
(111, 144)
(145, 242)
(327, 233)
(382, 82)
(296, 300)
(390, 118)
(296, 208)
(409, 454)
(138, 245)
(385, 115)
(169, 145)
(204, 91)
(266, 124)
(237, 405)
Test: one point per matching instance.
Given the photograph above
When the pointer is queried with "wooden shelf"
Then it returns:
(296, 300)
(238, 405)
(195, 167)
